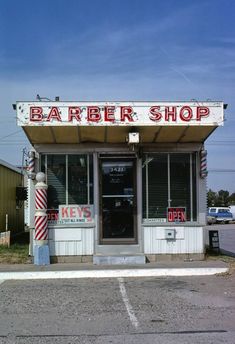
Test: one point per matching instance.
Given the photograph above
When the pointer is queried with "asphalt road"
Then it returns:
(141, 310)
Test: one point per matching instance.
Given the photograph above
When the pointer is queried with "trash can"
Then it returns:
(214, 240)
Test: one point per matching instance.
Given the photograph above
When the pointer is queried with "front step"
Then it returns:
(119, 260)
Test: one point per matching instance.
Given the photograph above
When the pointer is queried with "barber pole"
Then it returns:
(31, 166)
(203, 166)
(41, 198)
(41, 226)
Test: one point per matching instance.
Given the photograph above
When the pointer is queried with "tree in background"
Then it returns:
(220, 198)
(223, 198)
(211, 198)
(232, 199)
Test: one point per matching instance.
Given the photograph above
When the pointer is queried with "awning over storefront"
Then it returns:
(78, 134)
(102, 122)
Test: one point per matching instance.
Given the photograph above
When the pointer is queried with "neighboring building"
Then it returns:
(125, 178)
(10, 208)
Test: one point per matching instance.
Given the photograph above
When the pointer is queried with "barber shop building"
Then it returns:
(126, 181)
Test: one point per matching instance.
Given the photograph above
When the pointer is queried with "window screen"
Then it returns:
(169, 180)
(56, 180)
(180, 182)
(69, 179)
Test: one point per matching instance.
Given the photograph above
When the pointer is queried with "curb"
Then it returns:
(227, 252)
(180, 272)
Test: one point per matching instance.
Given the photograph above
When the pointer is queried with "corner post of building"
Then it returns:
(41, 248)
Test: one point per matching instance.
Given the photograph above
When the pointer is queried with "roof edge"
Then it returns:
(9, 166)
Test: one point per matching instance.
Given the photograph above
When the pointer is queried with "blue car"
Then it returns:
(221, 214)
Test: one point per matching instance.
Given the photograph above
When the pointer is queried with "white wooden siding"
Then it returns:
(188, 240)
(71, 241)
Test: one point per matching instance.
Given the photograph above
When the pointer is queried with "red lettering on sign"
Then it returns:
(74, 112)
(65, 212)
(72, 212)
(93, 114)
(87, 212)
(170, 112)
(186, 113)
(79, 211)
(109, 113)
(126, 113)
(202, 111)
(182, 217)
(54, 114)
(155, 115)
(176, 214)
(35, 114)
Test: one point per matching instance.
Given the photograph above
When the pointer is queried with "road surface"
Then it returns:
(138, 310)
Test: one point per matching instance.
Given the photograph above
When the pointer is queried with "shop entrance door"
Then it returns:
(118, 200)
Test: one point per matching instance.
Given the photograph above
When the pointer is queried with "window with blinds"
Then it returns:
(78, 175)
(155, 181)
(169, 180)
(180, 182)
(69, 178)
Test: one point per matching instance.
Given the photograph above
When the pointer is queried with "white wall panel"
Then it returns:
(188, 240)
(71, 241)
(65, 234)
(160, 234)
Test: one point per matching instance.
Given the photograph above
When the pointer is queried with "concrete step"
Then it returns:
(119, 260)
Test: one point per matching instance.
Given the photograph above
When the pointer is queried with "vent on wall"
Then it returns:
(170, 234)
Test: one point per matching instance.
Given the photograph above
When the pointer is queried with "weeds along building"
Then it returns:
(125, 179)
(11, 207)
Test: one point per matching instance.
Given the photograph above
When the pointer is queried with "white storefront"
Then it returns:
(125, 179)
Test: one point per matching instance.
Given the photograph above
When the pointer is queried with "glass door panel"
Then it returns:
(118, 200)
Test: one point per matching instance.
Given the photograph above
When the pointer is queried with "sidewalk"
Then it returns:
(88, 270)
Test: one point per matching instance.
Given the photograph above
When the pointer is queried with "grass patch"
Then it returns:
(15, 254)
(210, 255)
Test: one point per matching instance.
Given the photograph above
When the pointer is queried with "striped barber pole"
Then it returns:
(31, 164)
(41, 227)
(40, 198)
(203, 165)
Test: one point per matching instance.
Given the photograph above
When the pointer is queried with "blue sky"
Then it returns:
(119, 50)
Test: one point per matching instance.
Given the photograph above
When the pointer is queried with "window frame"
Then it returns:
(193, 157)
(89, 159)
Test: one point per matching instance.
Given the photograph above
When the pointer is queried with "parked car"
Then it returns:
(232, 209)
(211, 220)
(221, 214)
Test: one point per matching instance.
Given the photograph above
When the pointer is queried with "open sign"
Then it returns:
(176, 214)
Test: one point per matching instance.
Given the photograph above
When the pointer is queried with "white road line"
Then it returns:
(126, 301)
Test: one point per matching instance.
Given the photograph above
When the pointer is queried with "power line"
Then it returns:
(221, 170)
(14, 133)
(220, 143)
